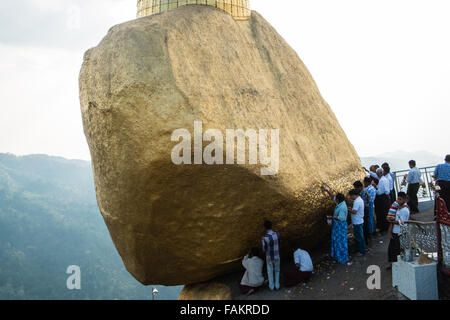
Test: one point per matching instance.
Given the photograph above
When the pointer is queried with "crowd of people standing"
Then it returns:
(373, 207)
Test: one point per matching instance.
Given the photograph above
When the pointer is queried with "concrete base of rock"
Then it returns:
(415, 281)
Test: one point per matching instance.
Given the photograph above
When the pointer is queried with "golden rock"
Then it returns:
(184, 224)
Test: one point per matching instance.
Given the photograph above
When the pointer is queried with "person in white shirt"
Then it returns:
(395, 229)
(382, 201)
(391, 178)
(357, 213)
(413, 178)
(302, 271)
(253, 277)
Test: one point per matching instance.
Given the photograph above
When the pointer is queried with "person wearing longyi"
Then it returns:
(382, 201)
(302, 271)
(339, 241)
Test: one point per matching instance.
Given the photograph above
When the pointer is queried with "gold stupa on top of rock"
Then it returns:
(239, 9)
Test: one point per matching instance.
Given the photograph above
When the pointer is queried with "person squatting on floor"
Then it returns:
(302, 271)
(253, 277)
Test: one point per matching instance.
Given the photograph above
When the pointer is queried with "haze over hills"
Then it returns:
(399, 160)
(49, 220)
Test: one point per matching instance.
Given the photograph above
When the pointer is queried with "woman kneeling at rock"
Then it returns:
(253, 277)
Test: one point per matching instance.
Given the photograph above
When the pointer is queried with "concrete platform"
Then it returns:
(416, 282)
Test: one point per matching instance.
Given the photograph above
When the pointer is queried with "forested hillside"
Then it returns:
(49, 220)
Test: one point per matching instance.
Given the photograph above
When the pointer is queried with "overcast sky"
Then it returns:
(382, 65)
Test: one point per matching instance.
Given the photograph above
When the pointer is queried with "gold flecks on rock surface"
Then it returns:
(190, 223)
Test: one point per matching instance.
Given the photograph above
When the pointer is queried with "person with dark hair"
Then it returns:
(253, 277)
(302, 271)
(365, 196)
(357, 213)
(442, 176)
(271, 247)
(358, 185)
(402, 216)
(372, 193)
(382, 201)
(390, 176)
(413, 180)
(339, 241)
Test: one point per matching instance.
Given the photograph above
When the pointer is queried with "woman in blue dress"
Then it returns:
(339, 241)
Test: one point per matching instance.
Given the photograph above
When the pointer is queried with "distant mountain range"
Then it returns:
(49, 220)
(399, 160)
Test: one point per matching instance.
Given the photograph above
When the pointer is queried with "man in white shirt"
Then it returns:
(302, 271)
(357, 213)
(253, 277)
(413, 179)
(382, 201)
(390, 176)
(395, 229)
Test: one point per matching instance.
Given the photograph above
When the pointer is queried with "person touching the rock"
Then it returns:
(339, 240)
(302, 271)
(253, 277)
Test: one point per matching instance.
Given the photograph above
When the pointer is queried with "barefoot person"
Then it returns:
(357, 213)
(302, 271)
(271, 245)
(339, 241)
(253, 277)
(402, 215)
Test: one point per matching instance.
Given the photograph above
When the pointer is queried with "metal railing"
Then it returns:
(426, 191)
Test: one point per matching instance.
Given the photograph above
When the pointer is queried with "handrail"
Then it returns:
(427, 193)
